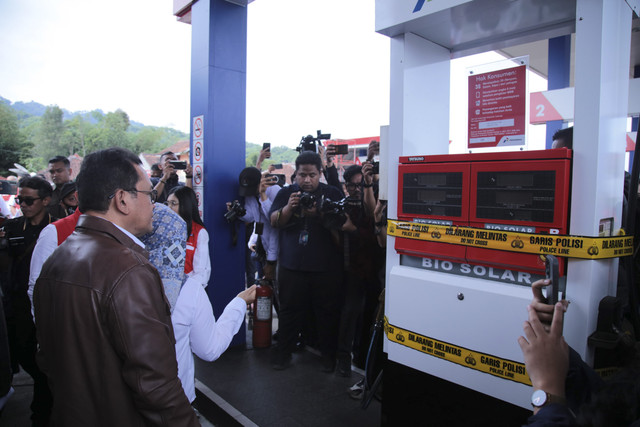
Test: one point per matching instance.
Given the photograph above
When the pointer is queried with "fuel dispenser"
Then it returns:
(453, 312)
(470, 290)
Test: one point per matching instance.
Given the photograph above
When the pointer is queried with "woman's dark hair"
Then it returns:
(188, 208)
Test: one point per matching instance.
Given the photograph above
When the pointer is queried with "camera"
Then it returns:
(309, 142)
(307, 200)
(177, 164)
(7, 241)
(236, 210)
(376, 168)
(335, 212)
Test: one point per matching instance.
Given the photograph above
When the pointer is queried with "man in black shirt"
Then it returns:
(60, 171)
(169, 177)
(21, 235)
(309, 262)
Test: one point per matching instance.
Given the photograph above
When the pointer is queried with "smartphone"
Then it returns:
(266, 146)
(342, 149)
(278, 165)
(552, 273)
(277, 178)
(177, 164)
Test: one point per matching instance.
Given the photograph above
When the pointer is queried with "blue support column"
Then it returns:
(634, 120)
(558, 75)
(218, 92)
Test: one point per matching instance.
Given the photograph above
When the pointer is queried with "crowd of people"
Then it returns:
(107, 323)
(104, 301)
(317, 242)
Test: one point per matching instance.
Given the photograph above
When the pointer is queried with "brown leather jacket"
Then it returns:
(106, 339)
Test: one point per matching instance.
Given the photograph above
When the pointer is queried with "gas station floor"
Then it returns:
(244, 385)
(241, 388)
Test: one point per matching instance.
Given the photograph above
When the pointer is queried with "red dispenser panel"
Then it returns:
(515, 191)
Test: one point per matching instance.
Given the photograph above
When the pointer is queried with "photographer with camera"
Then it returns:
(168, 165)
(309, 262)
(362, 256)
(259, 191)
(20, 235)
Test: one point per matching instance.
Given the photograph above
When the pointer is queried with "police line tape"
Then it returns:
(483, 362)
(559, 245)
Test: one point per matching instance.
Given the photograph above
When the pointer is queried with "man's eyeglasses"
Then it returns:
(352, 186)
(27, 200)
(153, 194)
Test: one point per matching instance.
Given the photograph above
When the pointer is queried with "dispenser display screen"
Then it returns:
(437, 194)
(516, 196)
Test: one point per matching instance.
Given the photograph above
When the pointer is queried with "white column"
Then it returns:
(602, 54)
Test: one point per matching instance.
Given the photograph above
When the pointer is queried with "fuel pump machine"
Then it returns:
(473, 295)
(454, 312)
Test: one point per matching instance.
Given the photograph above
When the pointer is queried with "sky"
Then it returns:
(311, 64)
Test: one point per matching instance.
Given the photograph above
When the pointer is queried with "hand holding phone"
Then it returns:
(341, 149)
(552, 272)
(177, 164)
(267, 146)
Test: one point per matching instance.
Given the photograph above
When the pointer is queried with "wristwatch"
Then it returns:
(541, 398)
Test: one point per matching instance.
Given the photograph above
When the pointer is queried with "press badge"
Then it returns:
(303, 239)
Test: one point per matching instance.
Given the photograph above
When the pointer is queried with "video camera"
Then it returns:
(335, 212)
(309, 143)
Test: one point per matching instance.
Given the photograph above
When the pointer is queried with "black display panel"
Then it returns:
(516, 196)
(437, 194)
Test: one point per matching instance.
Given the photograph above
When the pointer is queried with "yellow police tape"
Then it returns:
(492, 365)
(559, 245)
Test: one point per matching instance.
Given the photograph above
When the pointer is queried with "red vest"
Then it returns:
(192, 244)
(66, 225)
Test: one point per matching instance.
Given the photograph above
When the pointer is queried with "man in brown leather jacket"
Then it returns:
(102, 319)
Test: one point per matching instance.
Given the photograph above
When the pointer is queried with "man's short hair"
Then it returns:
(36, 183)
(155, 167)
(166, 153)
(566, 135)
(351, 171)
(62, 159)
(102, 173)
(309, 158)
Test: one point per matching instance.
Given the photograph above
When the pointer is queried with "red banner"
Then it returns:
(497, 107)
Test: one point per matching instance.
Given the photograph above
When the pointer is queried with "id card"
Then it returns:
(303, 239)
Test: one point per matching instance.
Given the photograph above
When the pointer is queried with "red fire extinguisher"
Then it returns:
(262, 317)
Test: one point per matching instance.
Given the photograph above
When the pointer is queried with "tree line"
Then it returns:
(31, 139)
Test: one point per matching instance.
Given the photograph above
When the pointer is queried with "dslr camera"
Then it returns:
(309, 142)
(307, 200)
(235, 211)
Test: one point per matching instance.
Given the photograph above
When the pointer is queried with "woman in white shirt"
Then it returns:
(197, 265)
(196, 329)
